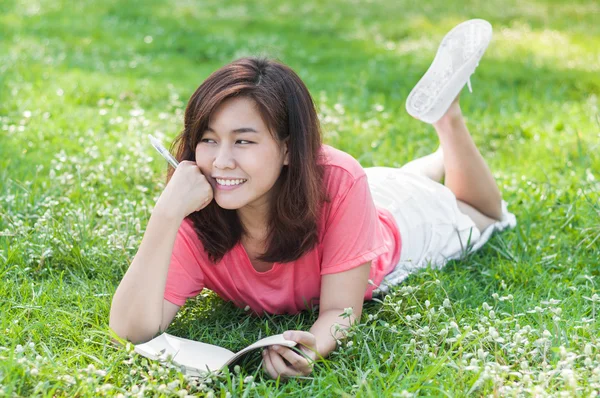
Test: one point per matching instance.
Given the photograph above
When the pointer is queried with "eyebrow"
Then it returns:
(237, 131)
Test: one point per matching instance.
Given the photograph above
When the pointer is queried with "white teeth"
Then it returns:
(229, 182)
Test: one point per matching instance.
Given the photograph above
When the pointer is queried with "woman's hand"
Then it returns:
(187, 191)
(284, 362)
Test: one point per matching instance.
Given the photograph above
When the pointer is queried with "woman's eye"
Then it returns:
(207, 140)
(245, 142)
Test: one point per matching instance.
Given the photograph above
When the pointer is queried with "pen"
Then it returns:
(163, 151)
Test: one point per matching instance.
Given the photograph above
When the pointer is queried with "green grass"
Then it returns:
(83, 83)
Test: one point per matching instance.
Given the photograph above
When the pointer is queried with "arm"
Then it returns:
(136, 313)
(338, 292)
(138, 309)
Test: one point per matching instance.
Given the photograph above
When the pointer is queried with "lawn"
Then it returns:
(83, 83)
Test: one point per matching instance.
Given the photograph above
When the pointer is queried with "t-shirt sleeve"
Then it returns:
(352, 234)
(185, 279)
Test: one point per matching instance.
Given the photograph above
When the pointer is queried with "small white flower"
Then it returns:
(68, 379)
(347, 312)
(481, 354)
(106, 387)
(547, 334)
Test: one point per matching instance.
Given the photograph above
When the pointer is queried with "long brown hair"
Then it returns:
(288, 110)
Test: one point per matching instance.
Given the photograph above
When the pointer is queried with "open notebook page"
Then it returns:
(197, 357)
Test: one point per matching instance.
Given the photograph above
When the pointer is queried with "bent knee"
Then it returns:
(482, 222)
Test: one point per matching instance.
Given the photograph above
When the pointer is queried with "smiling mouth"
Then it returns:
(228, 183)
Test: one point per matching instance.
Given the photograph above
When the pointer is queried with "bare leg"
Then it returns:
(481, 221)
(466, 173)
(431, 166)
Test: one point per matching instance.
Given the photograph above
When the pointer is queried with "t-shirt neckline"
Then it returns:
(249, 265)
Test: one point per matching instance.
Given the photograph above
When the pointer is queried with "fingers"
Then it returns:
(279, 365)
(187, 163)
(268, 365)
(276, 367)
(301, 337)
(297, 361)
(307, 341)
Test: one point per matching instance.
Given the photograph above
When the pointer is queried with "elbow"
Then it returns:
(130, 334)
(133, 332)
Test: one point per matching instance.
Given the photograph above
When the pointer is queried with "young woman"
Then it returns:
(265, 215)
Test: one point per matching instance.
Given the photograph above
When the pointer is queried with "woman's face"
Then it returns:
(239, 156)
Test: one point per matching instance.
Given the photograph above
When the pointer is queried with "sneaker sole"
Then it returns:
(436, 107)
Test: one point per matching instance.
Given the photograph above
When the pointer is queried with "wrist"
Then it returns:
(167, 214)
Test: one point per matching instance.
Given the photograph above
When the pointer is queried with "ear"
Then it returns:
(286, 160)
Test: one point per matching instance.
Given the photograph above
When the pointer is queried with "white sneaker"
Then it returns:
(455, 61)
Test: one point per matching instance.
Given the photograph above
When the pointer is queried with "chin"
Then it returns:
(227, 205)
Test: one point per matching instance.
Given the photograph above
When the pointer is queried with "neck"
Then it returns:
(254, 221)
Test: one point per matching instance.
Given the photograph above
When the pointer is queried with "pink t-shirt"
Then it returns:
(355, 231)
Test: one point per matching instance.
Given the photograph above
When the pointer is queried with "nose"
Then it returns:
(223, 158)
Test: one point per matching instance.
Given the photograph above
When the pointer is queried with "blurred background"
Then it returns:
(82, 84)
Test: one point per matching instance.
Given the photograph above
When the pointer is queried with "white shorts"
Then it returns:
(432, 228)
